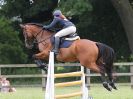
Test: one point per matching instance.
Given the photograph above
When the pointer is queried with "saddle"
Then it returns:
(66, 41)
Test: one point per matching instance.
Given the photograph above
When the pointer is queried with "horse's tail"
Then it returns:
(105, 57)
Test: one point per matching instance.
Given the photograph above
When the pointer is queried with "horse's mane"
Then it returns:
(36, 24)
(40, 25)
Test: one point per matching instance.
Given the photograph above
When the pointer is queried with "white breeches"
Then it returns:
(66, 31)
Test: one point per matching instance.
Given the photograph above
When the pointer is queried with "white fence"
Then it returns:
(87, 73)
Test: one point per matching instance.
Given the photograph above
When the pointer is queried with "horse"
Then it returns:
(95, 56)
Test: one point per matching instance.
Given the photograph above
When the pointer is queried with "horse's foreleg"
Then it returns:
(39, 60)
(41, 64)
(41, 55)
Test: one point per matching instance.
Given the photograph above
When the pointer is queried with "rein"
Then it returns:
(45, 39)
(41, 40)
(38, 33)
(37, 40)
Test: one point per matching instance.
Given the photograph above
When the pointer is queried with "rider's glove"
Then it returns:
(44, 27)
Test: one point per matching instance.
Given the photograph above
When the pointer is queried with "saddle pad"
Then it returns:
(63, 43)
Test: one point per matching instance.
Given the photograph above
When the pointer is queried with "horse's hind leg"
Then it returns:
(103, 77)
(101, 70)
(111, 81)
(104, 81)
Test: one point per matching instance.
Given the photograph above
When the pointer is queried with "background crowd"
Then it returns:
(5, 85)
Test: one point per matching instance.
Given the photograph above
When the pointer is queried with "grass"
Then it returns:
(24, 93)
(97, 92)
(123, 92)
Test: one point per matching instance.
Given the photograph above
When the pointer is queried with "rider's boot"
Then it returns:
(56, 45)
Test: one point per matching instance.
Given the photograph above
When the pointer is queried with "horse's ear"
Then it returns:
(21, 25)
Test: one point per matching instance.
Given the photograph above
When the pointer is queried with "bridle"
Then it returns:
(34, 40)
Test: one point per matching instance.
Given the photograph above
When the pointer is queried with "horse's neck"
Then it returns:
(43, 35)
(47, 33)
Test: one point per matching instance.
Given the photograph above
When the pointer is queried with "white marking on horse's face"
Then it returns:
(28, 44)
(27, 36)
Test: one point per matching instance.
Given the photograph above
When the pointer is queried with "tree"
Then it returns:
(10, 46)
(39, 11)
(125, 11)
(80, 13)
(106, 27)
(72, 7)
(97, 20)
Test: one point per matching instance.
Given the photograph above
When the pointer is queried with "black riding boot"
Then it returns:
(56, 45)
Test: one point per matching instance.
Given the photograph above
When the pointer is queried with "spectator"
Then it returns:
(5, 85)
(12, 89)
(0, 83)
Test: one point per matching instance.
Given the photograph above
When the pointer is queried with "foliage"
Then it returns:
(39, 10)
(11, 48)
(10, 45)
(95, 20)
(106, 27)
(72, 7)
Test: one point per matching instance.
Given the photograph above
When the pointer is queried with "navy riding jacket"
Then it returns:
(63, 23)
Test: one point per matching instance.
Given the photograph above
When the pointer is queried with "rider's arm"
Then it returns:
(53, 24)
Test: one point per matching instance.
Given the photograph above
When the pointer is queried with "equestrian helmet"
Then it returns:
(57, 13)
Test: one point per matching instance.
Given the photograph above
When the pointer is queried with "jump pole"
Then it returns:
(84, 88)
(50, 85)
(49, 94)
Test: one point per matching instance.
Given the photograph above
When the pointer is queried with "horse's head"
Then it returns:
(34, 31)
(28, 35)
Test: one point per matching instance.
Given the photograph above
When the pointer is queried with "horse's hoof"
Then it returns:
(41, 64)
(108, 89)
(113, 85)
(115, 88)
(45, 68)
(106, 85)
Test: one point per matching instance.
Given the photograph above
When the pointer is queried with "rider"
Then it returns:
(67, 28)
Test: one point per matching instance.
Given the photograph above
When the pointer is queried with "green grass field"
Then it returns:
(97, 92)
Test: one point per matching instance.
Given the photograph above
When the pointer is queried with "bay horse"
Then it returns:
(95, 56)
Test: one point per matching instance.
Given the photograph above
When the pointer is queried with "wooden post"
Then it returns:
(0, 71)
(88, 78)
(43, 80)
(131, 71)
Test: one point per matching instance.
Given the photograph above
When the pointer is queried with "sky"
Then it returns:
(1, 2)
